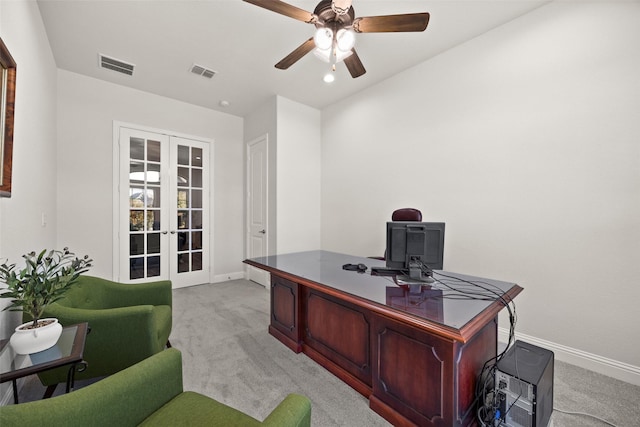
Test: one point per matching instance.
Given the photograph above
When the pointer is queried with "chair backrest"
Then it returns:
(125, 398)
(406, 214)
(85, 293)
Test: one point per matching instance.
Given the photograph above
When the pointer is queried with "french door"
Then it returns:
(163, 208)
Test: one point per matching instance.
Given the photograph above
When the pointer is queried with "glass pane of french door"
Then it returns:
(144, 155)
(191, 209)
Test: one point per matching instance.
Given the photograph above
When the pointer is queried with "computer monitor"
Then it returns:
(415, 247)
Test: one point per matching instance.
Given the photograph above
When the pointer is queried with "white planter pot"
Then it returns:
(27, 341)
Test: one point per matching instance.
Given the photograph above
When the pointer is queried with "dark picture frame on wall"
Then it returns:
(7, 108)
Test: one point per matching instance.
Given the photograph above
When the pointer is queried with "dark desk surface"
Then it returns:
(445, 302)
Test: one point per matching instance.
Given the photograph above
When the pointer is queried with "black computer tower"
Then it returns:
(524, 386)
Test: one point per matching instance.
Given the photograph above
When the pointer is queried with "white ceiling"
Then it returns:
(242, 42)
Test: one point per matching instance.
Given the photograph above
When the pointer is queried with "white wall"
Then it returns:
(33, 180)
(293, 131)
(298, 176)
(34, 142)
(526, 142)
(87, 108)
(264, 121)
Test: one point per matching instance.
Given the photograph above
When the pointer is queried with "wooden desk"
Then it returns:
(415, 356)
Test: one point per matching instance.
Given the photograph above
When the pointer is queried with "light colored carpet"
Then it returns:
(228, 354)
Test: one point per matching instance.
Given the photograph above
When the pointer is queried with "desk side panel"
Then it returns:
(339, 331)
(285, 312)
(470, 359)
(413, 373)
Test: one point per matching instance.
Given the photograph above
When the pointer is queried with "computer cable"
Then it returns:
(467, 287)
(584, 414)
(454, 287)
(500, 416)
(488, 287)
(487, 413)
(490, 295)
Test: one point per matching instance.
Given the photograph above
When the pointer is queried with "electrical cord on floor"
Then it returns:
(584, 414)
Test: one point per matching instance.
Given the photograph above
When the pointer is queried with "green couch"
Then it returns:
(148, 393)
(128, 323)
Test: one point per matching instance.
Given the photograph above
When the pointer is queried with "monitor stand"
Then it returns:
(416, 278)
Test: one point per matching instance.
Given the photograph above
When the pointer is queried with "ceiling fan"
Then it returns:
(336, 26)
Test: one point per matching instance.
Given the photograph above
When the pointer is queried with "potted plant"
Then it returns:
(44, 279)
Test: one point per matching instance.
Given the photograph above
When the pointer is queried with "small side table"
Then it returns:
(68, 351)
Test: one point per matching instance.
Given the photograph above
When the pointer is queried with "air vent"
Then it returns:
(116, 65)
(202, 71)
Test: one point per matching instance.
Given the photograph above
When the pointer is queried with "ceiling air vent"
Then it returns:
(116, 65)
(202, 71)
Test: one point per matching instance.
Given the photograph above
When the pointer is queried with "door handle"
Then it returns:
(164, 232)
(173, 231)
(262, 231)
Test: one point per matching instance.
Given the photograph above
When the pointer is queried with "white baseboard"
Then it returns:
(229, 276)
(602, 365)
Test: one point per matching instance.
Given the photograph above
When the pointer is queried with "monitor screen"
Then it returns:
(411, 243)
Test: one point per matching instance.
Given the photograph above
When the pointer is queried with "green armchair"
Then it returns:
(149, 393)
(128, 323)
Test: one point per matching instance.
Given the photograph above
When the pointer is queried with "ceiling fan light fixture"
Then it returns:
(327, 55)
(323, 38)
(322, 54)
(342, 55)
(345, 39)
(340, 7)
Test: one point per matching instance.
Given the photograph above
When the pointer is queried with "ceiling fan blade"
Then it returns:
(391, 23)
(285, 9)
(354, 65)
(296, 55)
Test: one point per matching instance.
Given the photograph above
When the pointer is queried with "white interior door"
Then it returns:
(189, 219)
(143, 214)
(163, 208)
(257, 203)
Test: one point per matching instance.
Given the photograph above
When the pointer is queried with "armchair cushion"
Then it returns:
(149, 393)
(128, 323)
(190, 409)
(193, 409)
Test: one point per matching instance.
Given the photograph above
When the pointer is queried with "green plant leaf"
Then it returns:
(44, 279)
